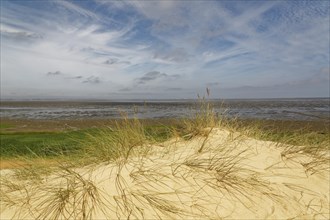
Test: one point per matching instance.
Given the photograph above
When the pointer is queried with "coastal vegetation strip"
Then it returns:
(52, 138)
(149, 170)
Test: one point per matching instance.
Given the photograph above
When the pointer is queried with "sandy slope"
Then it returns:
(234, 177)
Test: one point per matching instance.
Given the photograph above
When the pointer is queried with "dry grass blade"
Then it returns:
(204, 117)
(118, 143)
(76, 198)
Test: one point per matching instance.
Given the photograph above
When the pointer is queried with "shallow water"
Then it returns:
(276, 109)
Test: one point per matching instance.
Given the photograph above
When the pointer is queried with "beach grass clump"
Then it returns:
(296, 145)
(203, 117)
(223, 172)
(33, 172)
(66, 194)
(126, 137)
(318, 156)
(74, 197)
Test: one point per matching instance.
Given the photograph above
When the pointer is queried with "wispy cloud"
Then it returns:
(254, 44)
(92, 80)
(111, 61)
(56, 73)
(176, 55)
(21, 35)
(155, 75)
(76, 77)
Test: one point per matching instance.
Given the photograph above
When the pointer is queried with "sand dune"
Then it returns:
(232, 177)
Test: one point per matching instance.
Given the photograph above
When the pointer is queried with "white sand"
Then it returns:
(234, 177)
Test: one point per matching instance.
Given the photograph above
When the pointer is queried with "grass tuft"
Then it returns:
(163, 185)
(116, 144)
(203, 118)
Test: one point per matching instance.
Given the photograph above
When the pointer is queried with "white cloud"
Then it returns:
(251, 44)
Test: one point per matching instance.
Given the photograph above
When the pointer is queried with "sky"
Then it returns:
(164, 49)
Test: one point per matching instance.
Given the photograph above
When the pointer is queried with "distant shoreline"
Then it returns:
(273, 109)
(74, 100)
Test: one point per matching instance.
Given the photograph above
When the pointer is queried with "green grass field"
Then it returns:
(40, 143)
(4, 126)
(50, 144)
(59, 143)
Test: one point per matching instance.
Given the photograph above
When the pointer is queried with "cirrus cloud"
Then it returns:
(242, 44)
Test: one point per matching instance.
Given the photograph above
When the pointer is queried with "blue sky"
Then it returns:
(164, 49)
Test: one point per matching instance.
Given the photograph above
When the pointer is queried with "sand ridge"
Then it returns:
(233, 177)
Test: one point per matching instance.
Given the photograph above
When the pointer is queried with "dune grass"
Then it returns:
(295, 143)
(75, 197)
(62, 192)
(126, 136)
(118, 142)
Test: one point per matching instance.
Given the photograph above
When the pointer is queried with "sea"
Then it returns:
(271, 109)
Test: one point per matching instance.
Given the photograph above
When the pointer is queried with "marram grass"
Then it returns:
(71, 194)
